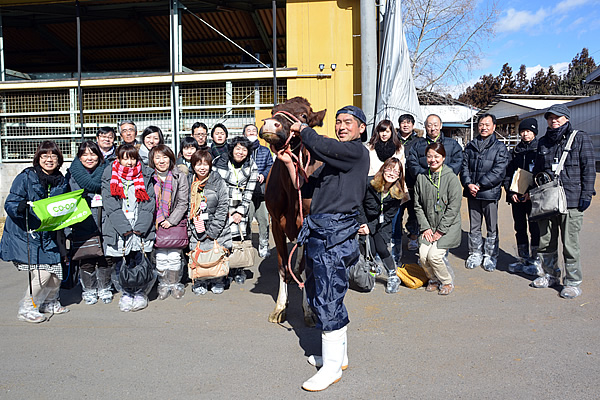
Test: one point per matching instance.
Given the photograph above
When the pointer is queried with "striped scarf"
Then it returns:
(134, 174)
(196, 197)
(163, 192)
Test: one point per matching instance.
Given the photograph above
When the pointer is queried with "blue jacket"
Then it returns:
(485, 164)
(264, 161)
(43, 246)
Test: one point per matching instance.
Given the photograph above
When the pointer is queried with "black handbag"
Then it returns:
(361, 276)
(137, 273)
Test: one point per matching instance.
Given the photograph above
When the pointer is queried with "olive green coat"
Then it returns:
(447, 219)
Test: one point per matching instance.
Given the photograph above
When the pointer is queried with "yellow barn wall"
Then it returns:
(324, 32)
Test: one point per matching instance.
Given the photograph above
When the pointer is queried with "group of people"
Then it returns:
(137, 191)
(142, 199)
(421, 175)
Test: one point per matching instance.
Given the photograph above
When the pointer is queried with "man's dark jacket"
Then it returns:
(579, 172)
(484, 164)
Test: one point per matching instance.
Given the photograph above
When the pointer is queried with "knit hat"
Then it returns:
(558, 110)
(529, 124)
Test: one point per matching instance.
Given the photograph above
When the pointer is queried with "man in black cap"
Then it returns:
(523, 157)
(578, 177)
(329, 233)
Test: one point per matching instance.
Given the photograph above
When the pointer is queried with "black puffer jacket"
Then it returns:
(579, 173)
(484, 164)
(416, 163)
(522, 156)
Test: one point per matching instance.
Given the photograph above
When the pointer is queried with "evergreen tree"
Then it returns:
(482, 92)
(579, 68)
(522, 83)
(508, 85)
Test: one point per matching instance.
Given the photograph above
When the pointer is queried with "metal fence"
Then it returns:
(27, 117)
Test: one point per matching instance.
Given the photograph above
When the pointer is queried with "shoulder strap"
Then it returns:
(563, 157)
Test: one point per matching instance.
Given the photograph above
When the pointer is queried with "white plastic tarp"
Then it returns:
(396, 89)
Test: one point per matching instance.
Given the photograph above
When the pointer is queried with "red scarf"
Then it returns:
(130, 174)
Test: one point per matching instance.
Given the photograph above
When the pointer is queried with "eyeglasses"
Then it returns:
(200, 134)
(106, 135)
(128, 130)
(45, 157)
(391, 171)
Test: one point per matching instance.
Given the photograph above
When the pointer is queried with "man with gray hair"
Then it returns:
(128, 132)
(578, 177)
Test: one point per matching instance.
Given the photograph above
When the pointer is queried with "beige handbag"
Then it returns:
(242, 253)
(211, 263)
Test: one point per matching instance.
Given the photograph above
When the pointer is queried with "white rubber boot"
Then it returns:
(333, 348)
(317, 361)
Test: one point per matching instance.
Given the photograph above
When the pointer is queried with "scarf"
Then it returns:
(219, 150)
(385, 150)
(91, 181)
(481, 142)
(163, 192)
(134, 174)
(48, 181)
(556, 135)
(196, 197)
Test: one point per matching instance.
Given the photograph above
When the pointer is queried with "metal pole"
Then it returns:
(2, 66)
(79, 92)
(368, 50)
(274, 53)
(173, 91)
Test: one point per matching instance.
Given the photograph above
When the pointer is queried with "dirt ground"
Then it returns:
(493, 338)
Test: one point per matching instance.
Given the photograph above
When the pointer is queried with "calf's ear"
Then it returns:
(316, 119)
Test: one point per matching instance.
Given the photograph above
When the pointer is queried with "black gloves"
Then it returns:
(584, 204)
(22, 207)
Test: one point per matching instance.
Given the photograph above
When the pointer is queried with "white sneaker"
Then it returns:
(140, 301)
(126, 303)
(413, 244)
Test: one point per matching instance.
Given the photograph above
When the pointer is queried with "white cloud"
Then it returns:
(516, 20)
(560, 68)
(567, 5)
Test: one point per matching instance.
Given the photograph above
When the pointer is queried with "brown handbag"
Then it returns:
(242, 253)
(86, 248)
(211, 263)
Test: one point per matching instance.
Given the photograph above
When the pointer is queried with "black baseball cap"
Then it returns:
(560, 110)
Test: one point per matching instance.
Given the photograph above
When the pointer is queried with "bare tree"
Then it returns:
(444, 38)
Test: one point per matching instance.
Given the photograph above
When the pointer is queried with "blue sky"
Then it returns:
(539, 34)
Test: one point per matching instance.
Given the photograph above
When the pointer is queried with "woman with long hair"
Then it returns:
(384, 195)
(383, 145)
(39, 252)
(240, 173)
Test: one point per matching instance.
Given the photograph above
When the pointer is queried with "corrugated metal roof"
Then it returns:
(133, 35)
